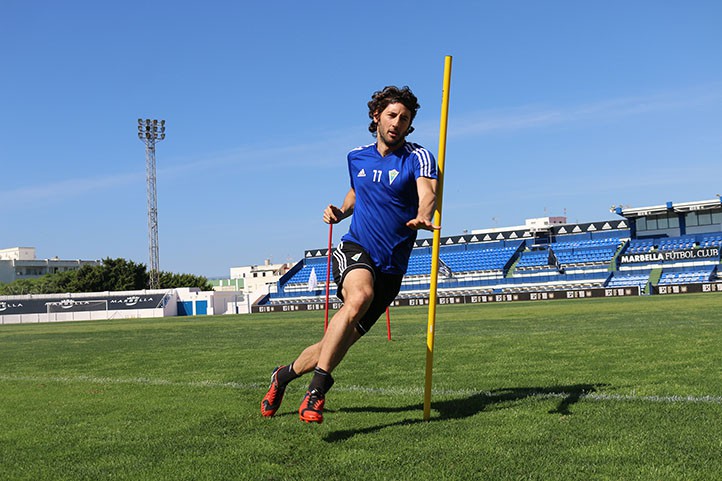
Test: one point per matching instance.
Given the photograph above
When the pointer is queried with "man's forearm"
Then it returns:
(349, 202)
(427, 199)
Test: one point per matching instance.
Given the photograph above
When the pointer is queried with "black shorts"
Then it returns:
(348, 256)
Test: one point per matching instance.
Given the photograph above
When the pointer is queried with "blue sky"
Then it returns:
(556, 108)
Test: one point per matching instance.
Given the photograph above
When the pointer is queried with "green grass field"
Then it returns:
(616, 389)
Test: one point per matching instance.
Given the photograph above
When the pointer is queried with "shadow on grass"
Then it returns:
(465, 407)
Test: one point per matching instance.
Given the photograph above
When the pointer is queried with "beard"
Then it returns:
(393, 143)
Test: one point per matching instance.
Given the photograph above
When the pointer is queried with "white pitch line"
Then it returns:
(141, 381)
(657, 399)
(502, 395)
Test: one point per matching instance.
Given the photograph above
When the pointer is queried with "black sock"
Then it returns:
(286, 374)
(321, 381)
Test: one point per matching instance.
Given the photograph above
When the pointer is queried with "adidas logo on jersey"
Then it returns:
(356, 257)
(362, 173)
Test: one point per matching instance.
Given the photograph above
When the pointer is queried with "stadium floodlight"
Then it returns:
(149, 134)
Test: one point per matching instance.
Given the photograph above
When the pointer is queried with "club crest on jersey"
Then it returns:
(356, 257)
(362, 173)
(392, 175)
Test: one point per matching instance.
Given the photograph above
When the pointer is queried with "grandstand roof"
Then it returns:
(679, 207)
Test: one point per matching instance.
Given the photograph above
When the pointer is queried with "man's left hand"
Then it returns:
(424, 224)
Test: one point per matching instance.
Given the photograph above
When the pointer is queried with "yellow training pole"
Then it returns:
(437, 238)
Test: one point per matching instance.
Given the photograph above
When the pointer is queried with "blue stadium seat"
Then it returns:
(686, 275)
(633, 278)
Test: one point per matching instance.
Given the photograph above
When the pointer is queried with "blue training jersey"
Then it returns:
(386, 199)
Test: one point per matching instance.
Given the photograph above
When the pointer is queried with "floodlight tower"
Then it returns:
(151, 131)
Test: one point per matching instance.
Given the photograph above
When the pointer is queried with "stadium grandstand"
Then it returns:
(662, 249)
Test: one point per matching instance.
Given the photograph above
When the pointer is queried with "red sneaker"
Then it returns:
(272, 400)
(311, 410)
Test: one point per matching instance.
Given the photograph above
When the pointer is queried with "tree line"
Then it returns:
(110, 275)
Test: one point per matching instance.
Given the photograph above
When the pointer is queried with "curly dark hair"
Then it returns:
(391, 95)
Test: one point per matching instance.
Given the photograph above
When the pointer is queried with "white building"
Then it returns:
(21, 263)
(259, 280)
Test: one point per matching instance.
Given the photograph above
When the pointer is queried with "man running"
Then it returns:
(392, 196)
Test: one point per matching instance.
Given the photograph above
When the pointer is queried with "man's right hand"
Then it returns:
(332, 215)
